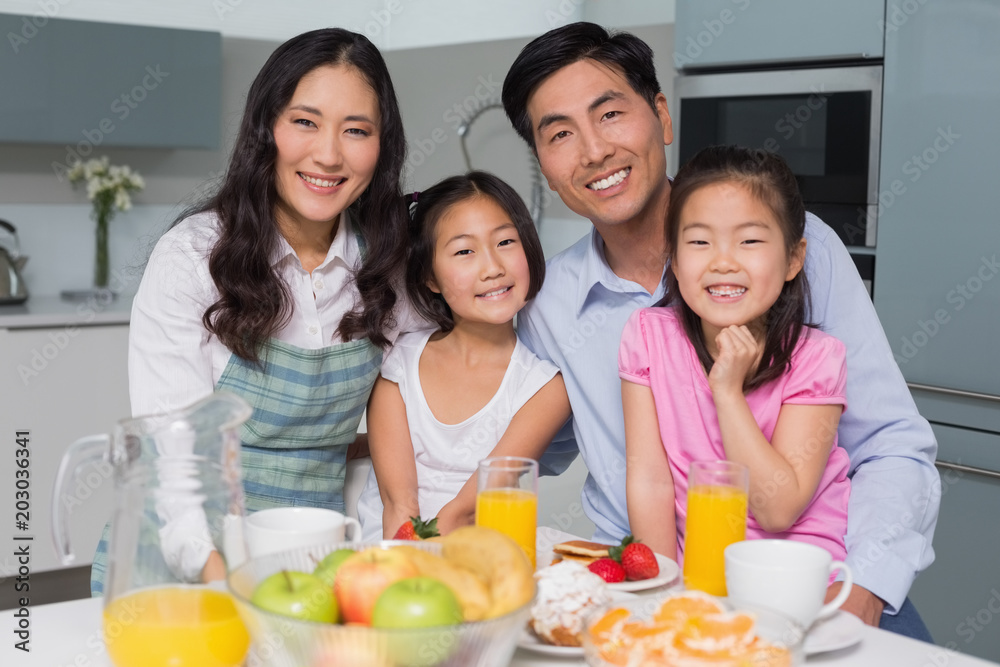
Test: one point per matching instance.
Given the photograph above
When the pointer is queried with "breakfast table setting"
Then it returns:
(298, 587)
(68, 634)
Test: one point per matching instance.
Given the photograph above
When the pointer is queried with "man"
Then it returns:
(590, 106)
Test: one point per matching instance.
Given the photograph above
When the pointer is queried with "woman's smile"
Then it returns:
(327, 140)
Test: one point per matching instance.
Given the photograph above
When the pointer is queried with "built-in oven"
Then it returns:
(825, 122)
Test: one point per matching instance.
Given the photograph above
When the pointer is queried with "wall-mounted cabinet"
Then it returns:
(87, 84)
(718, 33)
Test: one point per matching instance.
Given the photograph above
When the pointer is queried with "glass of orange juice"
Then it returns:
(508, 499)
(716, 517)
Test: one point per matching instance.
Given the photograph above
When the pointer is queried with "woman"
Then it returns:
(279, 287)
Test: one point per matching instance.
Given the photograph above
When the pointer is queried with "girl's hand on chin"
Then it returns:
(739, 354)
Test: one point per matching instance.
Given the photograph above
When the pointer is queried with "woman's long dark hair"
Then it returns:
(254, 301)
(772, 183)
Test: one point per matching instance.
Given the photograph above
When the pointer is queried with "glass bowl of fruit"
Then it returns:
(690, 628)
(458, 600)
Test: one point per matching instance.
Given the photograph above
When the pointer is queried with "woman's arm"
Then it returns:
(169, 367)
(169, 356)
(529, 433)
(785, 472)
(649, 485)
(392, 455)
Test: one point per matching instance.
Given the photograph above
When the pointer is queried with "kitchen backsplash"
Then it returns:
(59, 241)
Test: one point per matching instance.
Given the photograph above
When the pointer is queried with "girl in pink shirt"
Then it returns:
(726, 368)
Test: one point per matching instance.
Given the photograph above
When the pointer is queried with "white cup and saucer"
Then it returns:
(281, 528)
(791, 578)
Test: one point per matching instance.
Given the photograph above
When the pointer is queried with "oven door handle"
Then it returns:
(947, 465)
(953, 392)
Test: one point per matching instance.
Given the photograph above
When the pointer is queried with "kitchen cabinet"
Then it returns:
(959, 595)
(716, 33)
(937, 289)
(59, 383)
(88, 85)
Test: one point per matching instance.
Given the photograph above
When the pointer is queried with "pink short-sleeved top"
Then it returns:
(655, 352)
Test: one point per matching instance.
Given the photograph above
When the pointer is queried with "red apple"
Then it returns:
(327, 568)
(361, 579)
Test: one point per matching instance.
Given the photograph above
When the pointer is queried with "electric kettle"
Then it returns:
(12, 287)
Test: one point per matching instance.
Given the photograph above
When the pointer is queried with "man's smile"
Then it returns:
(609, 181)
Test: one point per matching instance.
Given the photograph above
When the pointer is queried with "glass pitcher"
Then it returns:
(178, 504)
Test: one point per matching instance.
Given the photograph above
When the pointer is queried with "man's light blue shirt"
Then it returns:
(576, 322)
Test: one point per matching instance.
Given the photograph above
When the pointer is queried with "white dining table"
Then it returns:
(68, 634)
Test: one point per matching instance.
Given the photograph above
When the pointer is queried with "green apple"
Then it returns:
(327, 568)
(297, 595)
(416, 602)
(425, 613)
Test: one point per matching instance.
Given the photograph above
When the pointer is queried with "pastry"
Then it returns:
(567, 592)
(581, 551)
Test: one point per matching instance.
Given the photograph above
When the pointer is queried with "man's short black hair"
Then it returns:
(545, 55)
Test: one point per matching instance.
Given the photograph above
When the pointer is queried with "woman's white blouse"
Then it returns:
(174, 361)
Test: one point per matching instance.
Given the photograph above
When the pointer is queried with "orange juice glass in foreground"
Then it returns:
(716, 517)
(175, 626)
(508, 499)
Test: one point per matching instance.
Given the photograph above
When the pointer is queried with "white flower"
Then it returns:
(122, 201)
(107, 186)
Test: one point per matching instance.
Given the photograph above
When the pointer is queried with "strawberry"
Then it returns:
(636, 558)
(417, 529)
(608, 570)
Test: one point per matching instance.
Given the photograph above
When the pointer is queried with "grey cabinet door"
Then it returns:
(958, 596)
(87, 85)
(937, 276)
(712, 33)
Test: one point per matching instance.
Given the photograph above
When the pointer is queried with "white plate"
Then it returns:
(669, 573)
(530, 642)
(839, 631)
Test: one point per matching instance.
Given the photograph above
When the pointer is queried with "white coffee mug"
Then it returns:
(787, 576)
(282, 528)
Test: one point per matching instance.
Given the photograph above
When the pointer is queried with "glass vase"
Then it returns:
(101, 255)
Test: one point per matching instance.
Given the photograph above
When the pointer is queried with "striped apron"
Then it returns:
(307, 405)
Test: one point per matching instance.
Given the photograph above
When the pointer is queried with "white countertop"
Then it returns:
(69, 633)
(53, 311)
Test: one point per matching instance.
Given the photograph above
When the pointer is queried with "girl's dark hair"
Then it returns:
(254, 301)
(549, 53)
(769, 181)
(430, 207)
